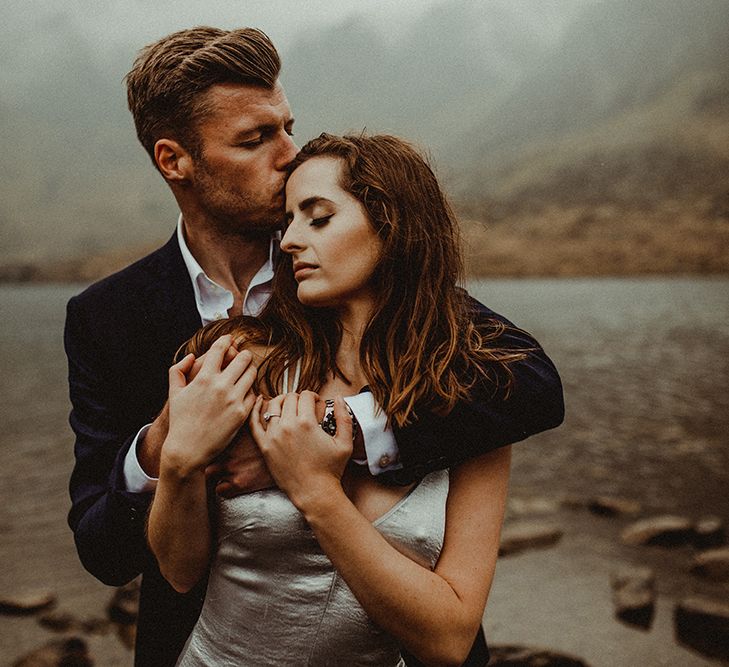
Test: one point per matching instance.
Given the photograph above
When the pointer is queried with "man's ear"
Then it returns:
(174, 161)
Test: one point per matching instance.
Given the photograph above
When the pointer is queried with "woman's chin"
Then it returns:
(313, 299)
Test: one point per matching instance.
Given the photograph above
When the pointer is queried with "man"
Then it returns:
(211, 113)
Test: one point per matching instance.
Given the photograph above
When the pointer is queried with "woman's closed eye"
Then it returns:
(320, 222)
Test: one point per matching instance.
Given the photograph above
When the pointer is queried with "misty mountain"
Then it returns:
(456, 61)
(523, 105)
(616, 56)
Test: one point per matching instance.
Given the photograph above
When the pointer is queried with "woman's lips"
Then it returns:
(302, 270)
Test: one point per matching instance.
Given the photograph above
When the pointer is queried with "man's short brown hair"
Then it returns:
(167, 84)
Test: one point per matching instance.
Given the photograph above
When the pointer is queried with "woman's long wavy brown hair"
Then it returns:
(421, 348)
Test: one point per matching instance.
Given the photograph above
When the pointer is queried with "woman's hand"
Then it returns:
(206, 412)
(306, 463)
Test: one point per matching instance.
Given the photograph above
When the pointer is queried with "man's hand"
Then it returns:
(241, 468)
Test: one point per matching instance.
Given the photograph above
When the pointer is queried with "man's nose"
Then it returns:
(287, 151)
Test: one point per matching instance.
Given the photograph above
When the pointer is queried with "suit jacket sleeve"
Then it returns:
(107, 521)
(489, 420)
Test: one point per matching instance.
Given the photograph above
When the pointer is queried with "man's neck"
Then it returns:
(229, 260)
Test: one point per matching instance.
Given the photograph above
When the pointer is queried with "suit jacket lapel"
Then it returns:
(170, 307)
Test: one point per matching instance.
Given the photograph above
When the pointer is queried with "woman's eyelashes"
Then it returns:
(321, 221)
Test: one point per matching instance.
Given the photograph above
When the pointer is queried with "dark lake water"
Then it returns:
(645, 365)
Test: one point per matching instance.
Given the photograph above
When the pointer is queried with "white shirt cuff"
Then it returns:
(135, 479)
(380, 445)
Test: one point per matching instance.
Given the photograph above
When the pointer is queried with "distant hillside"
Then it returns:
(573, 176)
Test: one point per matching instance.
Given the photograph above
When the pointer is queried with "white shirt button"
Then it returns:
(384, 461)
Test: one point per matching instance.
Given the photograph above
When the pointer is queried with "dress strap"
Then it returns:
(297, 375)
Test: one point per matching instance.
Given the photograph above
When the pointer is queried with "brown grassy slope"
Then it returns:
(645, 193)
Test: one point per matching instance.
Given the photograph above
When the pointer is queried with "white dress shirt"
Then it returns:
(213, 302)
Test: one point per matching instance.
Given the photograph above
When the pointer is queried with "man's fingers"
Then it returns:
(226, 489)
(214, 470)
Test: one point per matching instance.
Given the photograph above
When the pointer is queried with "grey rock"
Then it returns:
(526, 506)
(613, 506)
(124, 605)
(709, 532)
(96, 626)
(27, 602)
(665, 530)
(525, 656)
(523, 536)
(127, 634)
(70, 652)
(634, 597)
(59, 621)
(703, 625)
(712, 564)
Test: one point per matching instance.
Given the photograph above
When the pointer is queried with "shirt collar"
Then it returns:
(213, 301)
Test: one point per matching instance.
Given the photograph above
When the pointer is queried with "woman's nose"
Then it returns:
(290, 242)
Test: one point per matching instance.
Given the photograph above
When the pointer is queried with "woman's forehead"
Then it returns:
(318, 177)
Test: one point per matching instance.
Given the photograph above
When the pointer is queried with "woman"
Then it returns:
(332, 567)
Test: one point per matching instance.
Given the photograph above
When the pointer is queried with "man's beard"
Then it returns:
(236, 213)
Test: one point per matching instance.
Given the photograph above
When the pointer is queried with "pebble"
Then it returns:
(96, 626)
(634, 597)
(712, 564)
(703, 625)
(127, 634)
(58, 621)
(26, 603)
(124, 605)
(69, 652)
(709, 532)
(524, 536)
(524, 656)
(664, 530)
(613, 506)
(523, 506)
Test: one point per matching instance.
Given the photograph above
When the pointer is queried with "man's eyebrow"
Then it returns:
(264, 128)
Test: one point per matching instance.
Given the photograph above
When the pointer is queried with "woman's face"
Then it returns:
(333, 246)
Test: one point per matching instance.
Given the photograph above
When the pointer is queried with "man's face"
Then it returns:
(245, 145)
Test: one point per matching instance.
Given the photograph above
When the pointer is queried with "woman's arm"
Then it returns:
(434, 614)
(205, 414)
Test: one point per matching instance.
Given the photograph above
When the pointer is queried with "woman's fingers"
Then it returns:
(238, 365)
(289, 408)
(215, 355)
(255, 423)
(178, 372)
(272, 410)
(307, 405)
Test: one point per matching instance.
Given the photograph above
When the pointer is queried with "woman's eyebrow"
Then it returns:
(311, 201)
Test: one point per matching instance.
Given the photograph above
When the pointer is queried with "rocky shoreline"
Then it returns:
(699, 548)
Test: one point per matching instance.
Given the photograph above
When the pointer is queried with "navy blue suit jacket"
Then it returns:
(121, 335)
